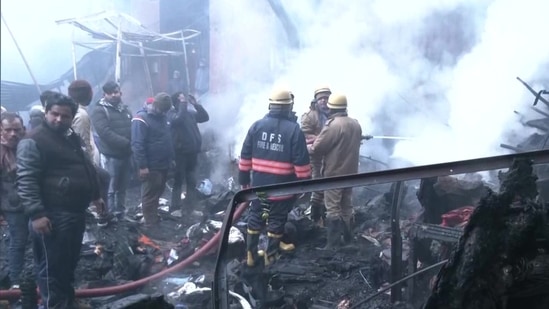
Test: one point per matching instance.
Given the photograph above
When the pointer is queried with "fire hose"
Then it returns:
(113, 290)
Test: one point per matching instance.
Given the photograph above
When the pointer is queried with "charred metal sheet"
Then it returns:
(436, 232)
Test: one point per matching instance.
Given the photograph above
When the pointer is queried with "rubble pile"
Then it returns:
(502, 259)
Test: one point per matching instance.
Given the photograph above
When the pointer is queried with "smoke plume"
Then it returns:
(439, 72)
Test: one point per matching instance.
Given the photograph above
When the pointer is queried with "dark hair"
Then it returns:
(44, 96)
(110, 87)
(11, 117)
(175, 98)
(81, 92)
(62, 100)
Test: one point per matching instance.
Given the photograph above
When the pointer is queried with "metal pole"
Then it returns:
(22, 56)
(73, 56)
(118, 63)
(540, 111)
(186, 62)
(396, 241)
(147, 70)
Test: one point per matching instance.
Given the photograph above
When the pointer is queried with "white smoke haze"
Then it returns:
(45, 45)
(440, 72)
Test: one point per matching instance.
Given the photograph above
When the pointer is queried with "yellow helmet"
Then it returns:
(322, 90)
(281, 97)
(337, 101)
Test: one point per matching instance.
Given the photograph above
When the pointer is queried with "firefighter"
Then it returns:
(274, 151)
(339, 145)
(312, 123)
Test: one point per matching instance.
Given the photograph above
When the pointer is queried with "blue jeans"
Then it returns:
(19, 236)
(119, 169)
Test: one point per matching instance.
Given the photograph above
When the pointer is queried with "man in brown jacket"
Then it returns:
(339, 145)
(312, 123)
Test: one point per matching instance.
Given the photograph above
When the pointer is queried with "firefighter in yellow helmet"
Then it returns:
(274, 151)
(312, 122)
(338, 144)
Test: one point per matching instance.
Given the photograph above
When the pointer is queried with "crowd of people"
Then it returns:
(51, 173)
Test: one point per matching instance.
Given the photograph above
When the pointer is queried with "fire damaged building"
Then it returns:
(467, 233)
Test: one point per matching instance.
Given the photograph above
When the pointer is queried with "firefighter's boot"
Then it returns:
(347, 232)
(334, 229)
(252, 240)
(272, 251)
(286, 245)
(317, 214)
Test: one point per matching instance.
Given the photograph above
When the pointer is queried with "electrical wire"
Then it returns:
(398, 282)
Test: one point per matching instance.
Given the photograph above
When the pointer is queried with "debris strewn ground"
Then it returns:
(124, 251)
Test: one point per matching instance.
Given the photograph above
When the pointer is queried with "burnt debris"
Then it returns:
(502, 259)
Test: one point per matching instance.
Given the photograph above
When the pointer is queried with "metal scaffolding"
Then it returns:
(119, 29)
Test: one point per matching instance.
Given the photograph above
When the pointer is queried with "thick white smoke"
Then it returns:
(441, 72)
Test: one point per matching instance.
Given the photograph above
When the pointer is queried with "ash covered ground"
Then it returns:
(124, 251)
(308, 278)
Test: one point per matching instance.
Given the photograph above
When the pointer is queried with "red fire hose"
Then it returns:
(113, 290)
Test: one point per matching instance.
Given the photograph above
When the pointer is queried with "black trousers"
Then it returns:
(104, 181)
(56, 256)
(277, 215)
(185, 170)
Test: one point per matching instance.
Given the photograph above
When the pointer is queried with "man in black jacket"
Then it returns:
(56, 181)
(11, 132)
(187, 143)
(111, 121)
